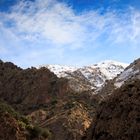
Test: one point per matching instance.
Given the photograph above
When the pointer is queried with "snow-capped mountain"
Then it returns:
(61, 70)
(131, 72)
(97, 74)
(89, 77)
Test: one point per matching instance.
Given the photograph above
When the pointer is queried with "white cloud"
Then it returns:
(56, 28)
(51, 21)
(56, 22)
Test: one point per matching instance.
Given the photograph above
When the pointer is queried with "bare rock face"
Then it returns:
(118, 117)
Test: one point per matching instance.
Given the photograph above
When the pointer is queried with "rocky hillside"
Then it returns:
(14, 126)
(118, 115)
(130, 72)
(54, 110)
(28, 89)
(46, 101)
(67, 118)
(89, 77)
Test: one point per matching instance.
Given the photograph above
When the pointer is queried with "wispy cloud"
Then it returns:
(49, 30)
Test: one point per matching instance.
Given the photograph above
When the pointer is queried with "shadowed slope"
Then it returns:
(118, 117)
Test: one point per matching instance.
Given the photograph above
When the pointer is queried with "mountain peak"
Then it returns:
(107, 63)
(60, 70)
(92, 76)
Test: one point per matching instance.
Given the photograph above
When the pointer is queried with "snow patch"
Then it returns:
(60, 70)
(124, 76)
(110, 69)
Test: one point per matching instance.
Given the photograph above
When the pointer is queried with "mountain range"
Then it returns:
(53, 102)
(90, 77)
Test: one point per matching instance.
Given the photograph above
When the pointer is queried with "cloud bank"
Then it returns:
(48, 31)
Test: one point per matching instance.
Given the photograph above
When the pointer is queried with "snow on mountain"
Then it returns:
(89, 77)
(131, 72)
(97, 74)
(110, 68)
(125, 76)
(61, 70)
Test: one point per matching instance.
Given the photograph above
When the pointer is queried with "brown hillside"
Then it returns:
(118, 117)
(47, 101)
(14, 126)
(27, 89)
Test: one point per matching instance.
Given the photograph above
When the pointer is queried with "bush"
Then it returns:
(36, 132)
(46, 133)
(6, 108)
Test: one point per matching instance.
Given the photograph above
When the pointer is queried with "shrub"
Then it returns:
(36, 132)
(46, 133)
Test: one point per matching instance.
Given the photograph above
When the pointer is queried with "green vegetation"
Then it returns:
(5, 108)
(24, 123)
(38, 132)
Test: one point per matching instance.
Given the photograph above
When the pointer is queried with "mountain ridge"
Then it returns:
(50, 103)
(90, 77)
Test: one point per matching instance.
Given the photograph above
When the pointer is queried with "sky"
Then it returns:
(69, 32)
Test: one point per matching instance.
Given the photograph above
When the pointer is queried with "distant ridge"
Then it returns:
(89, 77)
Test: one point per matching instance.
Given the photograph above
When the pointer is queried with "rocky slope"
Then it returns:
(10, 129)
(89, 77)
(30, 88)
(118, 116)
(70, 122)
(47, 101)
(14, 126)
(60, 112)
(69, 118)
(130, 72)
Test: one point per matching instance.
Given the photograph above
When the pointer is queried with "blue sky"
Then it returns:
(69, 32)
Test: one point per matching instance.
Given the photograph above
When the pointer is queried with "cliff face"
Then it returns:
(118, 117)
